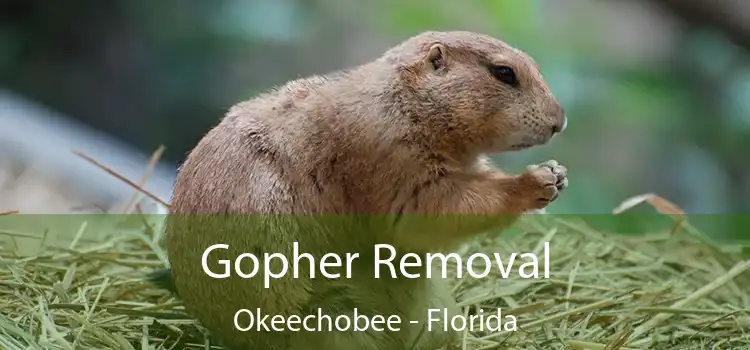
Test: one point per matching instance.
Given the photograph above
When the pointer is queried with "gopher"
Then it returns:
(394, 151)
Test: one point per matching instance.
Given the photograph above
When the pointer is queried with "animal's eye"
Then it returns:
(504, 74)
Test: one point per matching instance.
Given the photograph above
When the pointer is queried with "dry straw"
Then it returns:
(662, 290)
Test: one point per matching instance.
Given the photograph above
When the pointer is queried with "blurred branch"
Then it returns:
(732, 17)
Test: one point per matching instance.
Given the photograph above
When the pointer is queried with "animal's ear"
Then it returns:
(436, 57)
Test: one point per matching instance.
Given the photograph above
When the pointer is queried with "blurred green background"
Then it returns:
(658, 97)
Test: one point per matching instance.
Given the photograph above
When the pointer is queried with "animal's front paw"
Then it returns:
(542, 183)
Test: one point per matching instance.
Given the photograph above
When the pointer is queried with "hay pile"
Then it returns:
(662, 291)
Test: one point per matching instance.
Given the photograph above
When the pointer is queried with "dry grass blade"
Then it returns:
(155, 157)
(660, 204)
(121, 178)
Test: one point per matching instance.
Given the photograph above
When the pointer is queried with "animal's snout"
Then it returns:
(561, 125)
(558, 118)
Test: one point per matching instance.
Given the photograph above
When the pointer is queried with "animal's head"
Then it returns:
(486, 92)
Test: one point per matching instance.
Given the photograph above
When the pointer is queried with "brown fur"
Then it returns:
(404, 134)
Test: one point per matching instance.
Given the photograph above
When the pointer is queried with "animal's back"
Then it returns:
(249, 183)
(225, 193)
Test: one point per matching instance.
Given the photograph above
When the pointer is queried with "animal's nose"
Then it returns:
(560, 127)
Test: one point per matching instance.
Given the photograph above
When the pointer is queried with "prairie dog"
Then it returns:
(404, 135)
